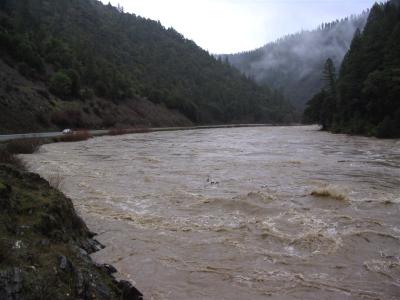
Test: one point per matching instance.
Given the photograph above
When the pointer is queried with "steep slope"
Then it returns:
(367, 93)
(83, 55)
(26, 105)
(293, 64)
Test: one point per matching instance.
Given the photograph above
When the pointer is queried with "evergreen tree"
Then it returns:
(367, 92)
(329, 76)
(293, 63)
(85, 45)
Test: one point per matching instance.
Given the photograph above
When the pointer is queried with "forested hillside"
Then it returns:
(80, 63)
(365, 99)
(293, 64)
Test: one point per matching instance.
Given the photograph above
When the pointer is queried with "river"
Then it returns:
(241, 213)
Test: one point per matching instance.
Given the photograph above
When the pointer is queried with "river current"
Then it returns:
(242, 213)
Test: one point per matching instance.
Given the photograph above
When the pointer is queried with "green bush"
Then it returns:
(87, 93)
(387, 128)
(25, 70)
(61, 84)
(69, 118)
(75, 82)
(5, 249)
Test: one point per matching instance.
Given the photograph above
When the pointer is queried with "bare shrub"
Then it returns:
(10, 159)
(75, 136)
(121, 131)
(24, 146)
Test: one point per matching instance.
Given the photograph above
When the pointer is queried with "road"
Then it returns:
(9, 137)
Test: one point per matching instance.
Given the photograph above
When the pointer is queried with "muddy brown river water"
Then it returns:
(243, 213)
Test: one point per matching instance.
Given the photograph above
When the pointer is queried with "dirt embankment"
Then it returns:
(45, 247)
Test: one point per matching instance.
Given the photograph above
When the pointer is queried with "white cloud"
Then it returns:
(226, 26)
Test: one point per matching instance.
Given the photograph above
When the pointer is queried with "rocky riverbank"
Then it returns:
(45, 246)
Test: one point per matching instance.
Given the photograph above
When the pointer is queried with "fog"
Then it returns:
(294, 63)
(230, 26)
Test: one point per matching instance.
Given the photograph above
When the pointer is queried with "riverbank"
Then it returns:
(116, 131)
(45, 246)
(40, 253)
(238, 213)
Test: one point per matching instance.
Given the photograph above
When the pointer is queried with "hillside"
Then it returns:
(80, 63)
(365, 97)
(293, 63)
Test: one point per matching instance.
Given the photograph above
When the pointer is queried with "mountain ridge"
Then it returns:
(99, 62)
(293, 64)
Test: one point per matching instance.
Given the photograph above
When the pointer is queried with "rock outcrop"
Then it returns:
(45, 246)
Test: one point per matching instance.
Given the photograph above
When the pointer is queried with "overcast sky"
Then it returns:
(228, 26)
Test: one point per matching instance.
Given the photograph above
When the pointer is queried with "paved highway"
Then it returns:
(9, 137)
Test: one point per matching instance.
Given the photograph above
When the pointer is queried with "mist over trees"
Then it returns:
(81, 49)
(367, 100)
(293, 63)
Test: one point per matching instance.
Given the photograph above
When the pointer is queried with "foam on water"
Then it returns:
(331, 191)
(283, 213)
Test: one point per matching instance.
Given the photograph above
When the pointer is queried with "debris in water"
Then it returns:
(330, 192)
(212, 182)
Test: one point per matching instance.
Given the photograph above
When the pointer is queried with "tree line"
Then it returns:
(293, 63)
(364, 97)
(82, 49)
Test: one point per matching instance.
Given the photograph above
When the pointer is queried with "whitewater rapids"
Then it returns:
(242, 213)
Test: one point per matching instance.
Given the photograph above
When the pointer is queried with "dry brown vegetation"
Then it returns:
(121, 131)
(9, 151)
(75, 136)
(10, 159)
(24, 146)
